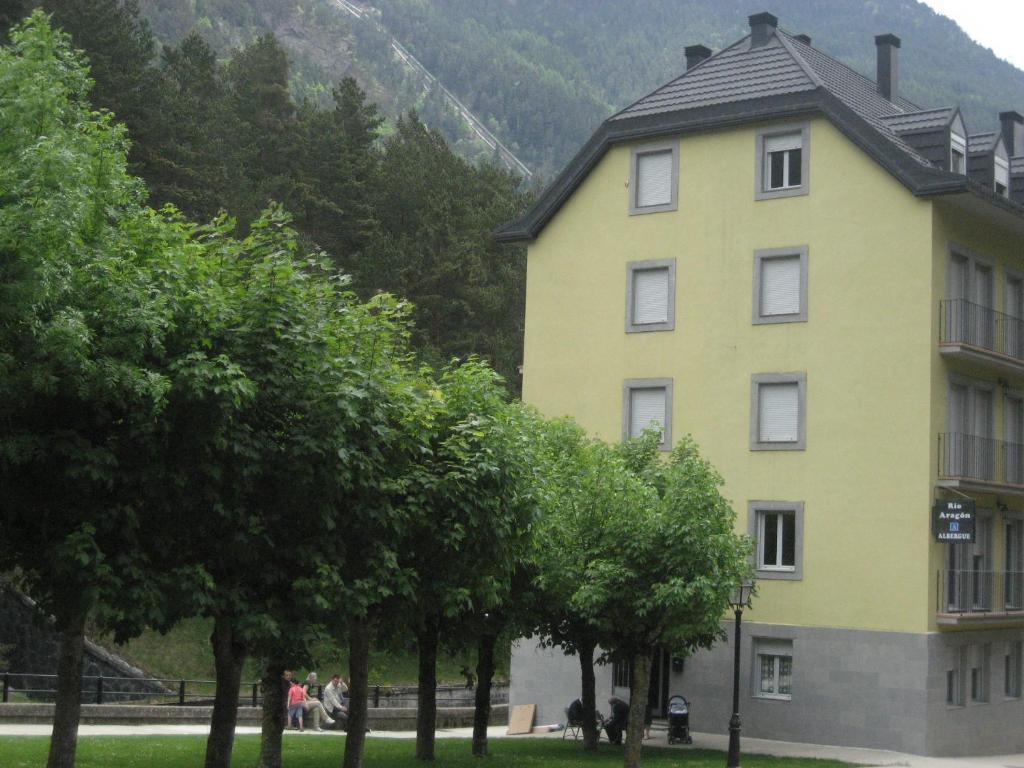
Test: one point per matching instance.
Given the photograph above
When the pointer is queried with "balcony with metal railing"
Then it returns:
(970, 462)
(979, 596)
(978, 334)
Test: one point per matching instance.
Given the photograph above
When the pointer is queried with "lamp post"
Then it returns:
(739, 600)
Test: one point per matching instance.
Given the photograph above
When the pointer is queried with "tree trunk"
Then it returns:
(228, 657)
(426, 708)
(588, 695)
(64, 738)
(358, 690)
(638, 691)
(484, 674)
(273, 714)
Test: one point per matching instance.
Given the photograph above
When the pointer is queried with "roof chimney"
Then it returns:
(805, 39)
(762, 28)
(695, 54)
(1013, 132)
(888, 65)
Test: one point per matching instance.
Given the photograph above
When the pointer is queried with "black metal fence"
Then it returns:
(964, 591)
(980, 458)
(964, 322)
(183, 692)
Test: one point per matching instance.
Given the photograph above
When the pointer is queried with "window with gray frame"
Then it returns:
(778, 412)
(1013, 563)
(967, 448)
(773, 668)
(650, 295)
(782, 161)
(654, 178)
(980, 672)
(777, 528)
(969, 573)
(1013, 669)
(622, 674)
(954, 677)
(780, 285)
(647, 403)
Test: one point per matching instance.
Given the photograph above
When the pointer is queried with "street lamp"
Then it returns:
(739, 600)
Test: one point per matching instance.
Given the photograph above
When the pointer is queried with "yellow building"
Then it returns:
(824, 285)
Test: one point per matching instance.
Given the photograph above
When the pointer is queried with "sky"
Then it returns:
(996, 24)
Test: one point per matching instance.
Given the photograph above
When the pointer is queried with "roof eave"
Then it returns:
(921, 180)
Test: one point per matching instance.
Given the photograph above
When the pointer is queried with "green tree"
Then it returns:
(264, 127)
(338, 185)
(81, 328)
(121, 52)
(437, 214)
(187, 154)
(588, 486)
(468, 505)
(668, 576)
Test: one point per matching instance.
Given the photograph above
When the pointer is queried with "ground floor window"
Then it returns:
(622, 674)
(980, 668)
(773, 668)
(954, 678)
(1014, 664)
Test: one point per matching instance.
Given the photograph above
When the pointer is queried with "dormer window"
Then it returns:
(782, 161)
(957, 154)
(1002, 177)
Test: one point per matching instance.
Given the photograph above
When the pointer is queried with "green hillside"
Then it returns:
(543, 73)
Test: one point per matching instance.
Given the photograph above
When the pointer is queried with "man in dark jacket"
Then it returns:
(615, 725)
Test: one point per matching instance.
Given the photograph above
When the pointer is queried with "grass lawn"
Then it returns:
(313, 750)
(185, 652)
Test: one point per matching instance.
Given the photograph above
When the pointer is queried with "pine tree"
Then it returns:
(185, 155)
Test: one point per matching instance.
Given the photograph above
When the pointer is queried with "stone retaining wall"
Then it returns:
(32, 647)
(393, 719)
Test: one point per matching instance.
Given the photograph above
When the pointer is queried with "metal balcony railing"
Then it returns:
(982, 592)
(969, 457)
(964, 322)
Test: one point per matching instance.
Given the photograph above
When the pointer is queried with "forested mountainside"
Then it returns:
(547, 71)
(543, 73)
(324, 43)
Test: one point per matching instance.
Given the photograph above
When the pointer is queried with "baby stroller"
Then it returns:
(679, 721)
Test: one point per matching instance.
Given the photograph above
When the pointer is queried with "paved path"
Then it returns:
(872, 757)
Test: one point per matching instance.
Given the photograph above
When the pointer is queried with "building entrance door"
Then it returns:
(657, 691)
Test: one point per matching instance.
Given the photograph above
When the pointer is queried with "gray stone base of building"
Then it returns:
(880, 690)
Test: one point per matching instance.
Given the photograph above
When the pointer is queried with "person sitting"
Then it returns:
(334, 698)
(313, 704)
(615, 725)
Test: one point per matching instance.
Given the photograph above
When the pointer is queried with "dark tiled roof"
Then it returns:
(784, 78)
(734, 74)
(925, 120)
(981, 142)
(785, 64)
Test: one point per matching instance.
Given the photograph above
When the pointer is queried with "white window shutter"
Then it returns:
(1002, 172)
(782, 143)
(779, 413)
(780, 286)
(646, 409)
(654, 179)
(650, 296)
